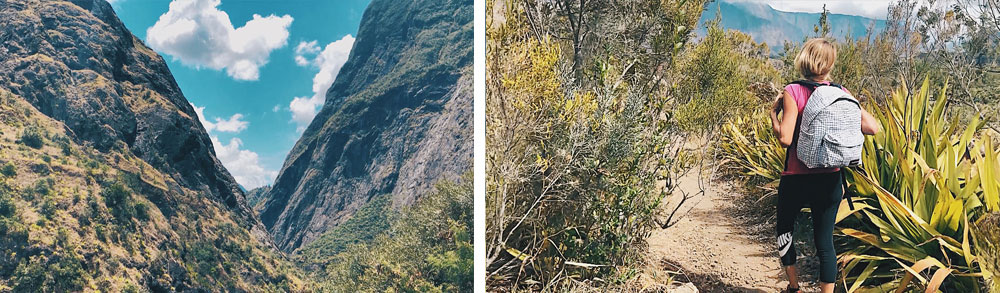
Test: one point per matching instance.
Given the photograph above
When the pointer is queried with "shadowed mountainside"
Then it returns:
(396, 120)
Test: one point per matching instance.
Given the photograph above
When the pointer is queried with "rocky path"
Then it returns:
(712, 249)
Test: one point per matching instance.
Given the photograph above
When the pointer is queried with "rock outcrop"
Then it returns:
(113, 183)
(397, 119)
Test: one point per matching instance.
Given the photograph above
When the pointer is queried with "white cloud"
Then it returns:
(872, 9)
(276, 108)
(329, 62)
(243, 164)
(234, 124)
(198, 34)
(305, 48)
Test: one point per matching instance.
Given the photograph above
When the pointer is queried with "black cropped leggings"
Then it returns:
(822, 193)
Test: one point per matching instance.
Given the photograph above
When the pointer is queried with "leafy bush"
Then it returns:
(122, 204)
(41, 169)
(33, 136)
(59, 272)
(914, 179)
(8, 170)
(574, 153)
(43, 186)
(7, 207)
(48, 208)
(427, 249)
(712, 78)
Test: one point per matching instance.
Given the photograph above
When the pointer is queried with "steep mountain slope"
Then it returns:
(775, 27)
(112, 175)
(396, 120)
(255, 197)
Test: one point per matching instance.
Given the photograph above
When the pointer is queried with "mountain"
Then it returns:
(255, 197)
(774, 27)
(109, 180)
(397, 119)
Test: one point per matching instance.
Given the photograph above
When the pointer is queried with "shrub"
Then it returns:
(427, 249)
(9, 170)
(713, 76)
(66, 148)
(33, 136)
(61, 272)
(48, 208)
(571, 169)
(987, 235)
(7, 207)
(43, 186)
(141, 211)
(123, 206)
(41, 169)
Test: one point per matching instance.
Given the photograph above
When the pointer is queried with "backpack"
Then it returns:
(829, 134)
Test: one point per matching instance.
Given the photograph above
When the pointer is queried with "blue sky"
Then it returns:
(255, 70)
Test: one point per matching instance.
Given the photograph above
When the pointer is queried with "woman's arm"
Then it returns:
(869, 125)
(785, 128)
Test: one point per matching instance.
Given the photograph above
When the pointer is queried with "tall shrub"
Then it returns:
(572, 166)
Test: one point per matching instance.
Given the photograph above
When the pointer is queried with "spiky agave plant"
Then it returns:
(751, 148)
(925, 179)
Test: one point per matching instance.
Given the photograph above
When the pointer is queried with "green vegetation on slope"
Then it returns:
(76, 219)
(423, 248)
(371, 220)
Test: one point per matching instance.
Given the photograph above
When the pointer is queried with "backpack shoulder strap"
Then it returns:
(812, 85)
(807, 83)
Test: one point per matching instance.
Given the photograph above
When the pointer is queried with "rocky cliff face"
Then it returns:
(76, 62)
(113, 182)
(397, 119)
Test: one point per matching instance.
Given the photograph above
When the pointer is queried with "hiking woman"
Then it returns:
(821, 189)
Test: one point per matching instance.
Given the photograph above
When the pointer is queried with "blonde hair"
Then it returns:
(816, 59)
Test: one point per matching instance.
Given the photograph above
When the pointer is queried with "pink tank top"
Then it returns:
(795, 166)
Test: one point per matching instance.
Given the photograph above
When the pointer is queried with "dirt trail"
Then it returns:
(712, 249)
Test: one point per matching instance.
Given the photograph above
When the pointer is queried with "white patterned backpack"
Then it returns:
(830, 130)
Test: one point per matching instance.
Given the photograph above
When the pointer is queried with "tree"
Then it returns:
(822, 28)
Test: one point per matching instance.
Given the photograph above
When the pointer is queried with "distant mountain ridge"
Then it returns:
(774, 27)
(397, 119)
